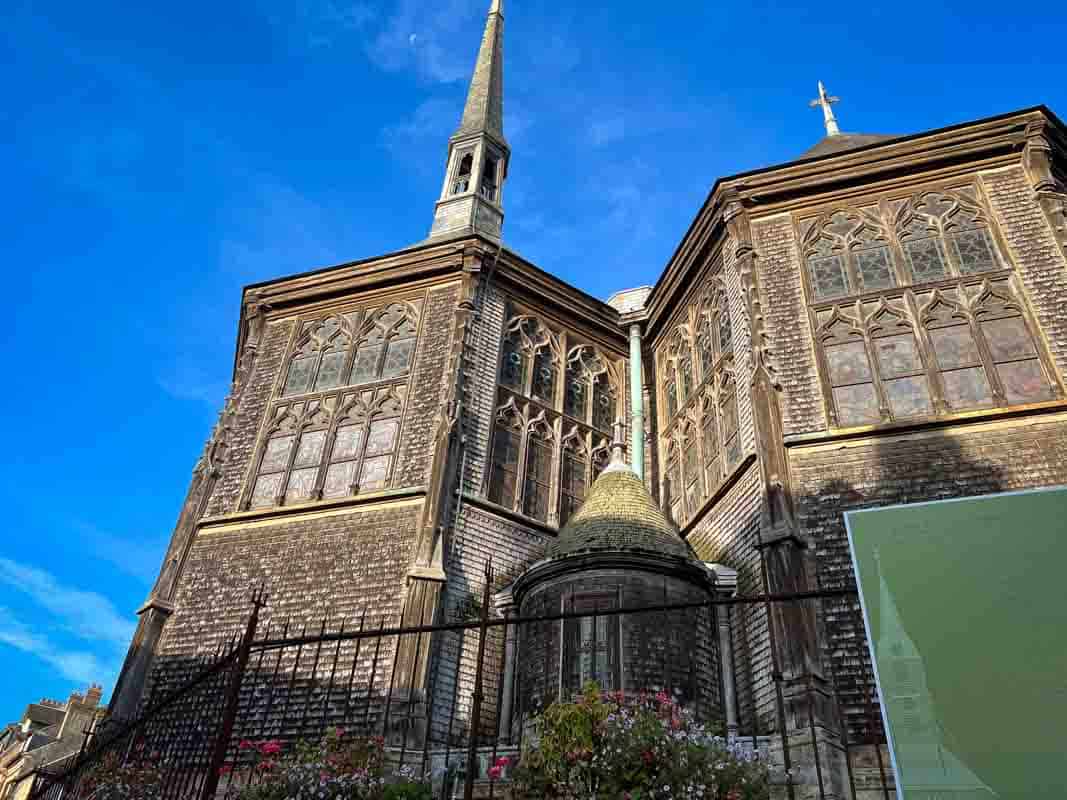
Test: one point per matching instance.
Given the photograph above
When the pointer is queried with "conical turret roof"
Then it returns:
(618, 515)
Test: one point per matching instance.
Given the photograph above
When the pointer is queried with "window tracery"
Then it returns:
(342, 350)
(893, 349)
(553, 421)
(930, 353)
(313, 450)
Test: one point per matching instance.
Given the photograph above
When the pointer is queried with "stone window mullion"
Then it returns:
(876, 376)
(928, 355)
(898, 263)
(996, 386)
(279, 499)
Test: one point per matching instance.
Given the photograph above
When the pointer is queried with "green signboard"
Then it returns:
(965, 603)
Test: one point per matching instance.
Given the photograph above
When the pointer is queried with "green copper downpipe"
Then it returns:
(637, 404)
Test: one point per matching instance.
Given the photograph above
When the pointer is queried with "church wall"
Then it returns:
(965, 460)
(727, 534)
(674, 652)
(788, 329)
(336, 565)
(1037, 255)
(481, 364)
(255, 400)
(478, 536)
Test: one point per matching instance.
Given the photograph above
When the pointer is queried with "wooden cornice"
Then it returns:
(989, 142)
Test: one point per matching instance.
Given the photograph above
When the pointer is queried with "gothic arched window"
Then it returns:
(538, 473)
(942, 232)
(1012, 350)
(311, 452)
(694, 492)
(318, 362)
(728, 424)
(726, 329)
(710, 445)
(848, 251)
(387, 346)
(851, 379)
(536, 470)
(489, 179)
(573, 470)
(507, 439)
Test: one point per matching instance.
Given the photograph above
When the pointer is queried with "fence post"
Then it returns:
(476, 700)
(233, 698)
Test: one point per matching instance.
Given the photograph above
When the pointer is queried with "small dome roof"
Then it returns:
(618, 515)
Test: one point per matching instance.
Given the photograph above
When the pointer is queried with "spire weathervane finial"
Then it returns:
(825, 101)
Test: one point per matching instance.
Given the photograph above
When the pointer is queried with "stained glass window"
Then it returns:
(538, 476)
(365, 366)
(711, 450)
(685, 374)
(333, 362)
(855, 398)
(572, 484)
(347, 449)
(962, 371)
(693, 485)
(828, 277)
(875, 269)
(272, 468)
(604, 403)
(903, 375)
(515, 364)
(670, 391)
(591, 643)
(299, 374)
(974, 249)
(1016, 360)
(503, 484)
(543, 386)
(706, 352)
(576, 394)
(730, 439)
(926, 259)
(398, 354)
(726, 329)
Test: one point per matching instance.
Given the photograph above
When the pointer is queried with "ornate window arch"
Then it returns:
(553, 420)
(574, 474)
(386, 347)
(319, 359)
(848, 251)
(946, 233)
(589, 393)
(729, 427)
(691, 468)
(313, 450)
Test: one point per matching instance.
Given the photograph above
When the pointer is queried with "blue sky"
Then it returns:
(158, 156)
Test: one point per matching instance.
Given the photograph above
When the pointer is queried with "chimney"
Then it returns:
(92, 697)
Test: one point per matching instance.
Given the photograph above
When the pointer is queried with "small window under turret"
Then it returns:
(463, 176)
(489, 180)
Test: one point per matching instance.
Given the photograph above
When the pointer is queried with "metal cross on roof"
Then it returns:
(826, 101)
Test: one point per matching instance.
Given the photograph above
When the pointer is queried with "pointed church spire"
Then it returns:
(484, 111)
(471, 200)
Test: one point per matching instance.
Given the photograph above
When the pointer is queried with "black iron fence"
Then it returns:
(449, 698)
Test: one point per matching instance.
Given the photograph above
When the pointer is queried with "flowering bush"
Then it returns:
(139, 778)
(334, 768)
(607, 745)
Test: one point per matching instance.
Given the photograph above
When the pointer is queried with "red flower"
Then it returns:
(503, 761)
(270, 748)
(244, 744)
(662, 698)
(225, 769)
(647, 757)
(494, 773)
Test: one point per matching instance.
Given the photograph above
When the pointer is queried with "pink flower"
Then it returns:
(494, 773)
(503, 761)
(662, 698)
(340, 732)
(244, 744)
(270, 748)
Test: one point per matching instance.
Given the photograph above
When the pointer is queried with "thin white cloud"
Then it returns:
(75, 665)
(433, 38)
(88, 615)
